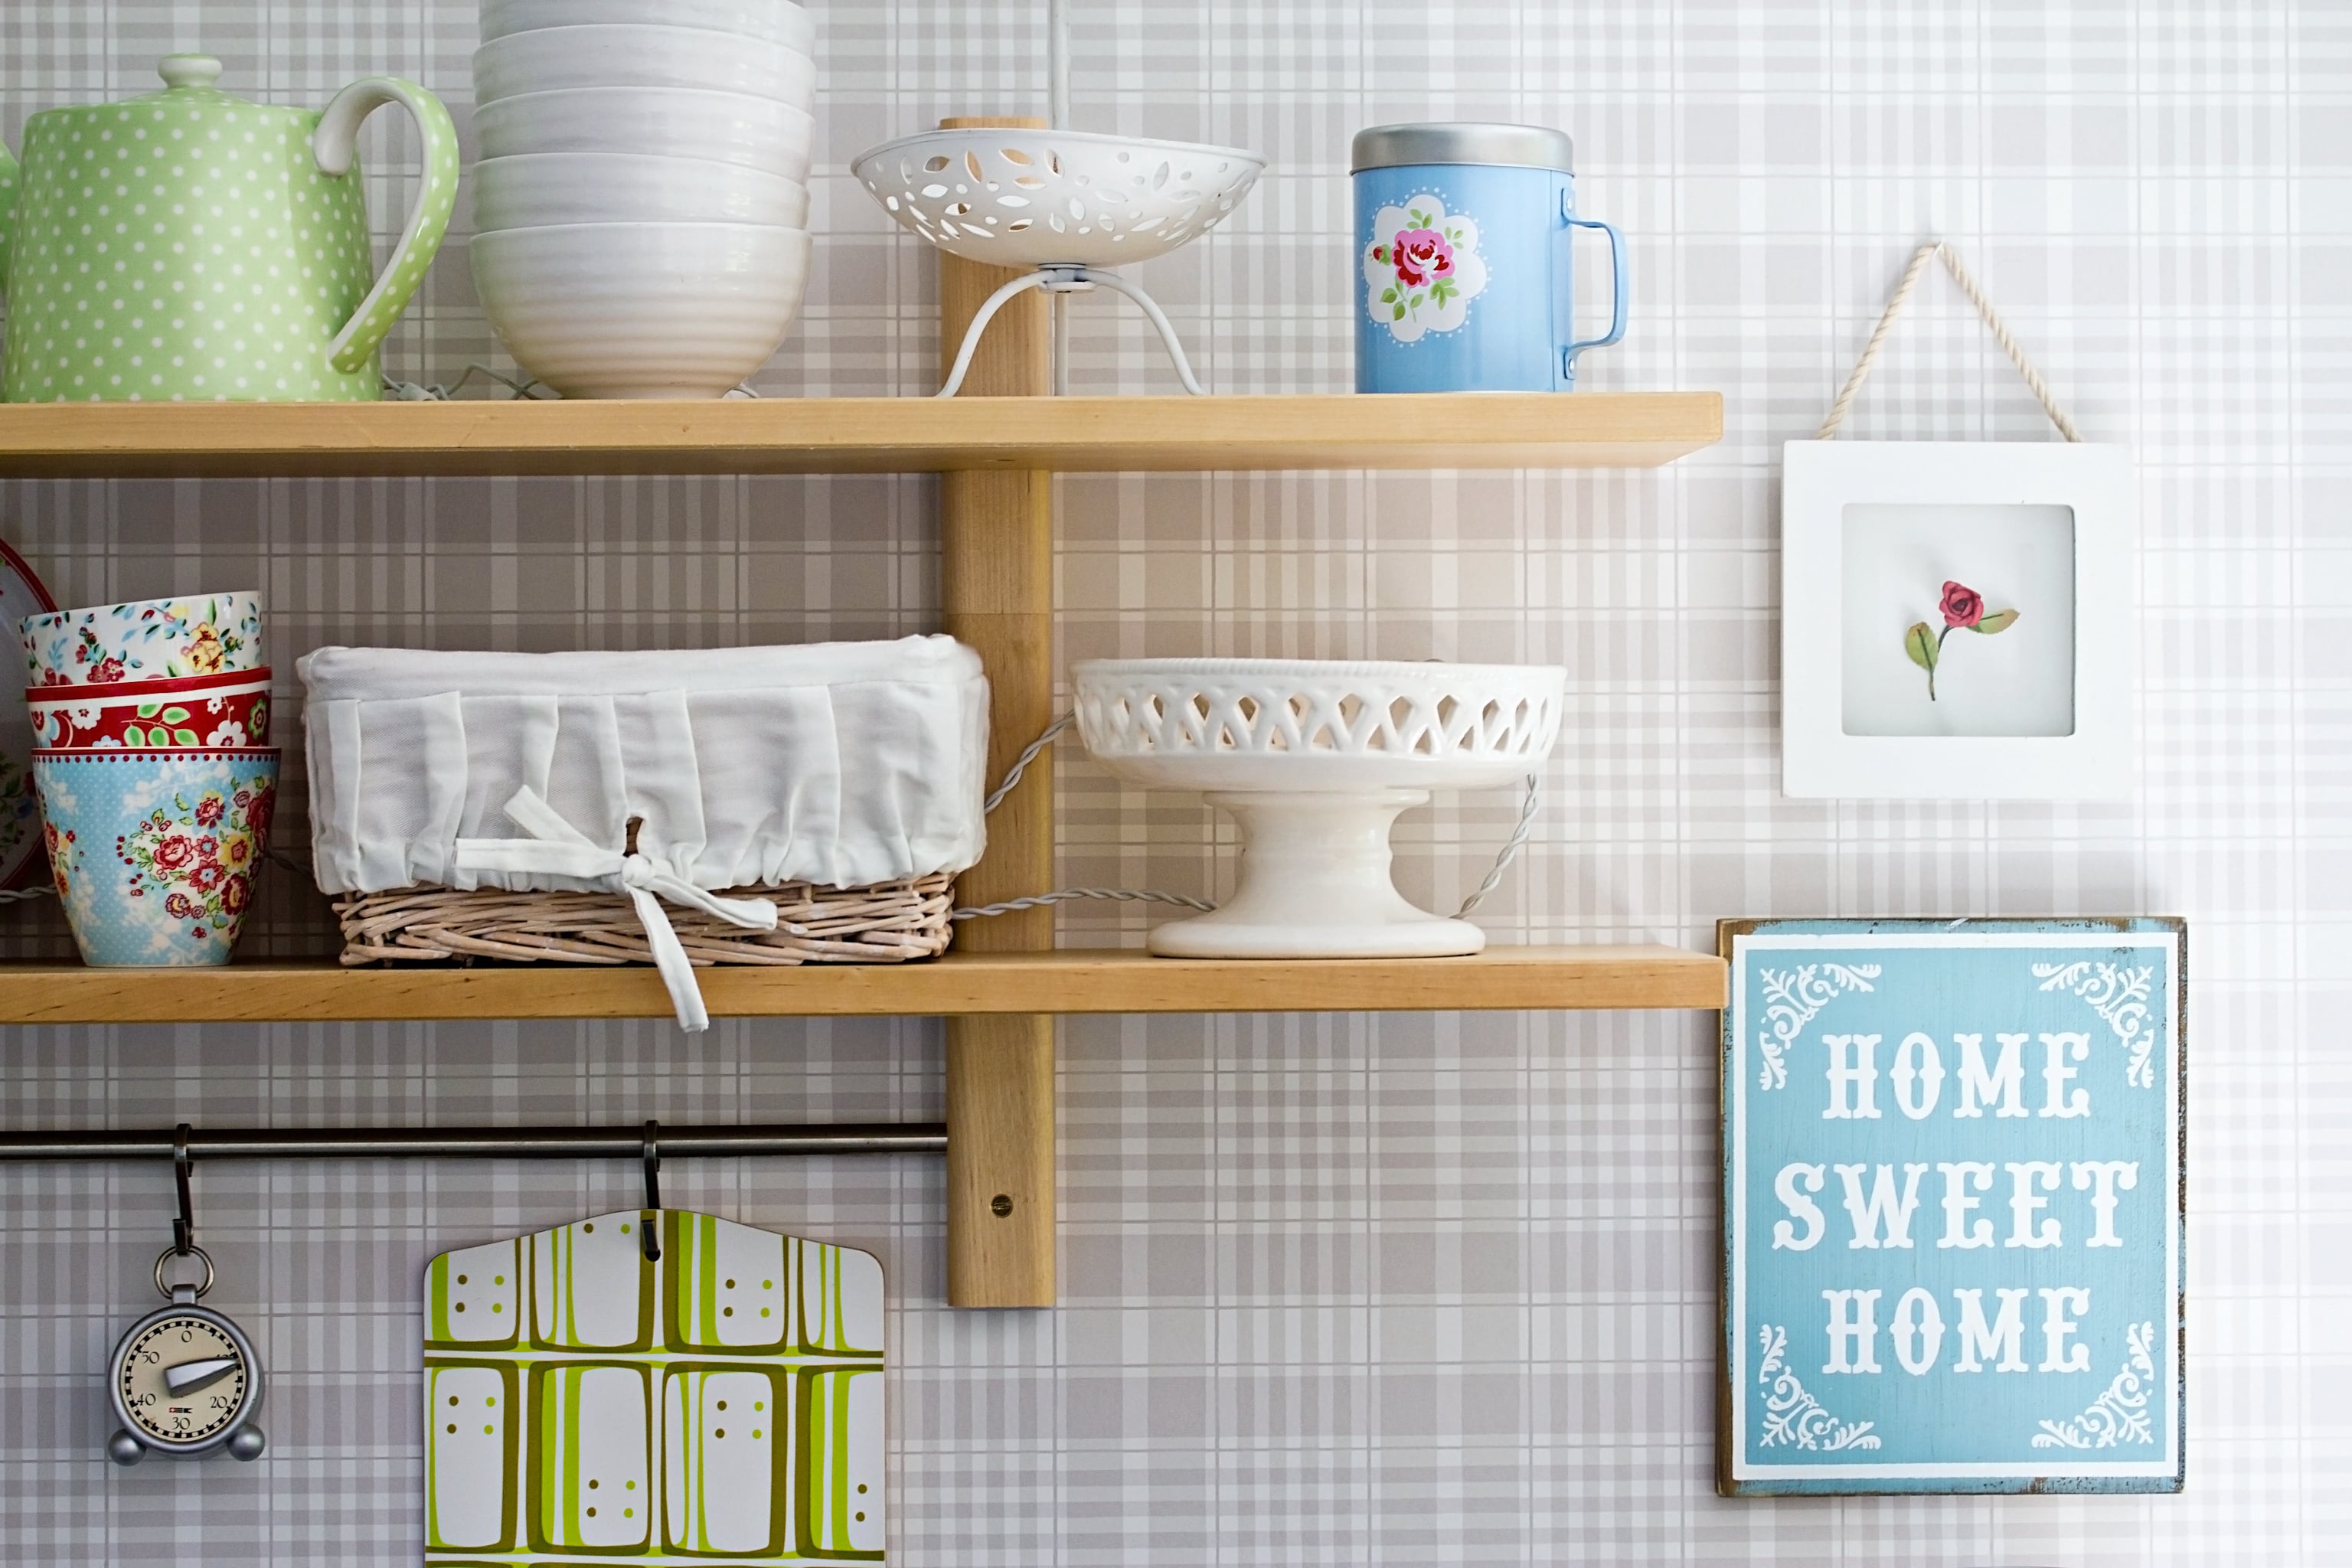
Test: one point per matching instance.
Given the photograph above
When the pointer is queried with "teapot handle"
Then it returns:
(332, 146)
(10, 177)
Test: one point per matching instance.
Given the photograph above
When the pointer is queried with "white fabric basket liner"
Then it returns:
(840, 764)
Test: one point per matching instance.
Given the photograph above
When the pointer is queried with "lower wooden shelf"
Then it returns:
(1069, 981)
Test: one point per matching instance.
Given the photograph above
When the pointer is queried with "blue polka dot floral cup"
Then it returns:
(154, 853)
(1465, 278)
(192, 246)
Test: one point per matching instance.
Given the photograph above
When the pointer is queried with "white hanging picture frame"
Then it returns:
(1871, 532)
(1956, 616)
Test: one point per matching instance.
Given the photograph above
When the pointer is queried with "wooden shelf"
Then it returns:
(1069, 981)
(855, 434)
(996, 445)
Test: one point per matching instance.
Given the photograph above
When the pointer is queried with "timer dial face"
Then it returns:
(211, 1396)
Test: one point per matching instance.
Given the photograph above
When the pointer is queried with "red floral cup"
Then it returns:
(230, 709)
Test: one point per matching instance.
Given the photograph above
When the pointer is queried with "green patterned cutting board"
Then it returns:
(723, 1404)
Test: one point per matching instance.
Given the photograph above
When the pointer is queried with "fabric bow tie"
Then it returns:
(557, 849)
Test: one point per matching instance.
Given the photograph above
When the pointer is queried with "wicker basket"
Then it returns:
(886, 923)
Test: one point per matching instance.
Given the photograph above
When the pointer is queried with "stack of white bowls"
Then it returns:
(641, 206)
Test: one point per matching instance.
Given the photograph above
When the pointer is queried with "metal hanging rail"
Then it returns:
(479, 1143)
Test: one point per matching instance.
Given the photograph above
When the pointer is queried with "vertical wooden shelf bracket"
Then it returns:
(996, 535)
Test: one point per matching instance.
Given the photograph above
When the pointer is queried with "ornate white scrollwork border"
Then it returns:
(2118, 1415)
(1793, 999)
(2122, 996)
(1794, 1416)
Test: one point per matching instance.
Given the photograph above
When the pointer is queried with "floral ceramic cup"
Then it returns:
(230, 709)
(144, 639)
(154, 852)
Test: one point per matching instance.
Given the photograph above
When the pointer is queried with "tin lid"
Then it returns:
(1462, 142)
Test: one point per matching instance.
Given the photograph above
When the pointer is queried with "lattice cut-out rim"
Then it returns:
(1024, 198)
(1271, 708)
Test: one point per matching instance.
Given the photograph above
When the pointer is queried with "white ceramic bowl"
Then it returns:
(777, 21)
(738, 127)
(610, 56)
(1315, 761)
(533, 190)
(641, 310)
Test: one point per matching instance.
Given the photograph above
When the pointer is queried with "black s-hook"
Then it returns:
(649, 1221)
(183, 1229)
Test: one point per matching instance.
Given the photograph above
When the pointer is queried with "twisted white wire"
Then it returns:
(1123, 895)
(525, 390)
(412, 392)
(1510, 851)
(2000, 329)
(1021, 764)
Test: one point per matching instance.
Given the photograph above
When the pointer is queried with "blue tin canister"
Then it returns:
(1466, 273)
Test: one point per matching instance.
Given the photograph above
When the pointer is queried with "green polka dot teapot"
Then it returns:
(192, 246)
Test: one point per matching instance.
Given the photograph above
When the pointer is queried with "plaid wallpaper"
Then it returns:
(1340, 1289)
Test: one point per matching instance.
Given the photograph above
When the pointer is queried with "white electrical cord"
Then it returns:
(1057, 64)
(1510, 850)
(523, 390)
(1021, 764)
(1122, 894)
(412, 392)
(1053, 732)
(1057, 118)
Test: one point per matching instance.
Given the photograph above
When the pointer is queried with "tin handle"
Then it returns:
(1570, 221)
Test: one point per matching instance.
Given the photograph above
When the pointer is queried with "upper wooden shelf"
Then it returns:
(1069, 981)
(855, 434)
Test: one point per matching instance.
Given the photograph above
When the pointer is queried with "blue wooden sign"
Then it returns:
(1952, 1193)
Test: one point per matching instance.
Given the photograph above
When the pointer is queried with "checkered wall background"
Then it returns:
(1340, 1289)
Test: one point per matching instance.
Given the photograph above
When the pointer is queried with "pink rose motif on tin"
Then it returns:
(1422, 269)
(1423, 257)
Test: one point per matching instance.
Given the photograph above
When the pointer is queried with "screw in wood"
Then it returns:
(1001, 1204)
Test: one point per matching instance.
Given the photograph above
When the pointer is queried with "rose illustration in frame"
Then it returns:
(1422, 269)
(1963, 610)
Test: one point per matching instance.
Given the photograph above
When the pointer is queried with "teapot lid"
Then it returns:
(188, 70)
(191, 85)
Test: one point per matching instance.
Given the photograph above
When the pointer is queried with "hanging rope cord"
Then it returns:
(1993, 323)
(1510, 850)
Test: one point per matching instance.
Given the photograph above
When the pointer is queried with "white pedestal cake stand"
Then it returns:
(1315, 761)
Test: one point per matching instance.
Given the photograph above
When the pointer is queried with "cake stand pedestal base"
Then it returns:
(1314, 882)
